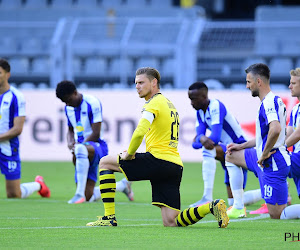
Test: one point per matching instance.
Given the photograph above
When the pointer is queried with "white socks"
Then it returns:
(236, 178)
(208, 172)
(120, 186)
(252, 196)
(82, 168)
(29, 188)
(291, 212)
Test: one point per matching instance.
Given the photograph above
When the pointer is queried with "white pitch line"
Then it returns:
(262, 216)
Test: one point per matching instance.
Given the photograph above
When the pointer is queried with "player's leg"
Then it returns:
(293, 211)
(13, 189)
(81, 171)
(192, 215)
(168, 216)
(123, 186)
(220, 150)
(208, 175)
(108, 165)
(89, 189)
(234, 162)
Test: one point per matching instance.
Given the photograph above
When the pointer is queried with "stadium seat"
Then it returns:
(297, 63)
(136, 3)
(36, 3)
(280, 86)
(31, 46)
(8, 46)
(95, 66)
(250, 61)
(160, 3)
(10, 4)
(213, 84)
(110, 3)
(115, 65)
(27, 85)
(280, 66)
(41, 66)
(168, 67)
(19, 66)
(238, 86)
(62, 4)
(42, 86)
(87, 3)
(147, 62)
(77, 66)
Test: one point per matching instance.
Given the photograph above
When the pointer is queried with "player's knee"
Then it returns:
(207, 153)
(169, 222)
(274, 215)
(103, 162)
(81, 151)
(13, 194)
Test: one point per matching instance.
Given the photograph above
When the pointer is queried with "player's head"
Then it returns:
(147, 82)
(257, 74)
(295, 82)
(4, 71)
(66, 91)
(198, 95)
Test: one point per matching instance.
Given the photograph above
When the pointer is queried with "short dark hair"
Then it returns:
(198, 85)
(150, 72)
(260, 69)
(4, 65)
(65, 88)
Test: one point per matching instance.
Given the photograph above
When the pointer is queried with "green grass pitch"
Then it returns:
(40, 223)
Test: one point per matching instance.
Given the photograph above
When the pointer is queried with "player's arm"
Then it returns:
(138, 135)
(70, 138)
(200, 130)
(273, 134)
(292, 137)
(15, 131)
(237, 147)
(218, 113)
(95, 135)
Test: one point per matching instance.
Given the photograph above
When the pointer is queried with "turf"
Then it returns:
(51, 223)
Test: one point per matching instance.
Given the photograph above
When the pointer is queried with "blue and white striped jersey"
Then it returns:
(217, 113)
(82, 117)
(271, 109)
(294, 122)
(12, 104)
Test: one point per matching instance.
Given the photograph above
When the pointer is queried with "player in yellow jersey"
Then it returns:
(161, 164)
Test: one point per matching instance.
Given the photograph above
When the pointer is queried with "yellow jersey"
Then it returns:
(162, 136)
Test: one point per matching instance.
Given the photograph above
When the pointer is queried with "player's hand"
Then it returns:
(207, 142)
(126, 157)
(264, 157)
(232, 147)
(71, 147)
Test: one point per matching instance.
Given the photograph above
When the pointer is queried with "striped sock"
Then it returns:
(192, 215)
(108, 190)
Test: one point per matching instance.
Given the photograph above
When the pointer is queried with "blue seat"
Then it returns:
(280, 66)
(19, 66)
(95, 66)
(10, 4)
(41, 66)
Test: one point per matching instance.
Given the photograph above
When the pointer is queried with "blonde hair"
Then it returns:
(295, 72)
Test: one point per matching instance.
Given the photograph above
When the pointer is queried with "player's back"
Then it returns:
(294, 123)
(217, 113)
(82, 117)
(162, 137)
(271, 109)
(12, 104)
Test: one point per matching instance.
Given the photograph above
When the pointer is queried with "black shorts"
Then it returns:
(165, 178)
